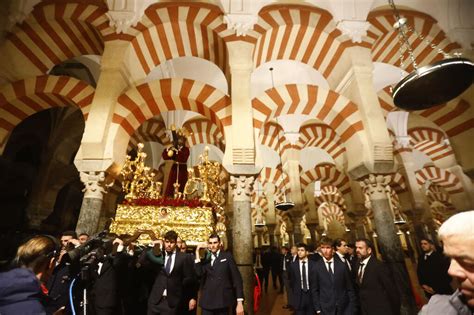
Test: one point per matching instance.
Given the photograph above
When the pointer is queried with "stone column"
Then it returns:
(271, 233)
(92, 203)
(312, 228)
(375, 187)
(242, 234)
(297, 231)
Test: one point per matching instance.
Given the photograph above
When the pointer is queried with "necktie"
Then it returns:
(360, 273)
(213, 258)
(305, 281)
(331, 273)
(168, 263)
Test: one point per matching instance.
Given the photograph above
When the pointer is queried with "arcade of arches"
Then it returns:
(292, 98)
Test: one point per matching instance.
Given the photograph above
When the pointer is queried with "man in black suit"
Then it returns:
(286, 260)
(377, 291)
(341, 252)
(433, 270)
(335, 292)
(303, 283)
(174, 278)
(221, 282)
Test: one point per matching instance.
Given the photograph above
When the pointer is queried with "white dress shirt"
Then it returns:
(361, 269)
(301, 271)
(344, 260)
(327, 265)
(173, 258)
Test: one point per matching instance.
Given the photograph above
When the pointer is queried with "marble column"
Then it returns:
(92, 203)
(271, 233)
(375, 187)
(242, 234)
(297, 231)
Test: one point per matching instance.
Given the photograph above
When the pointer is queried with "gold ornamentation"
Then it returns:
(192, 224)
(138, 180)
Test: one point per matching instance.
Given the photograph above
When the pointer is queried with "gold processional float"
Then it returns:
(193, 214)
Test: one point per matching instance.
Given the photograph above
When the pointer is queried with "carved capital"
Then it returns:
(94, 183)
(240, 23)
(375, 187)
(125, 13)
(241, 187)
(354, 29)
(19, 11)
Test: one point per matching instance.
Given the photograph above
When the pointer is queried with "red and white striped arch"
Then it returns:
(332, 212)
(437, 193)
(398, 183)
(152, 130)
(299, 32)
(323, 137)
(327, 174)
(203, 131)
(333, 109)
(453, 118)
(441, 177)
(386, 43)
(171, 30)
(430, 141)
(274, 176)
(24, 98)
(56, 31)
(331, 194)
(273, 137)
(151, 99)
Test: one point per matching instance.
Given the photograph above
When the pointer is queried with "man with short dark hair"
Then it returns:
(341, 251)
(173, 279)
(83, 237)
(432, 270)
(222, 283)
(335, 292)
(303, 283)
(286, 262)
(377, 292)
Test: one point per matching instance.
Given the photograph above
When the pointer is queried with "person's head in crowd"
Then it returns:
(327, 250)
(184, 247)
(302, 251)
(363, 248)
(457, 235)
(284, 250)
(39, 254)
(340, 245)
(179, 242)
(170, 240)
(83, 237)
(427, 245)
(294, 250)
(351, 249)
(214, 243)
(66, 238)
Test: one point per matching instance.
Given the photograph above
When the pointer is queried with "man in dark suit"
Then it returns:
(341, 252)
(174, 278)
(335, 292)
(433, 270)
(377, 292)
(286, 260)
(303, 283)
(221, 282)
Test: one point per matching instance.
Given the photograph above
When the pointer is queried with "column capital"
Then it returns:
(375, 186)
(240, 23)
(95, 186)
(241, 187)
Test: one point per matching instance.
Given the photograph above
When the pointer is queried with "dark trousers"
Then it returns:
(275, 275)
(162, 308)
(264, 280)
(305, 305)
(219, 311)
(286, 282)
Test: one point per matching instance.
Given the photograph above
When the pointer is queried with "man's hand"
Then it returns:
(117, 241)
(239, 310)
(428, 289)
(192, 304)
(74, 242)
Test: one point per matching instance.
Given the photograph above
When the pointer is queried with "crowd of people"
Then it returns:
(110, 275)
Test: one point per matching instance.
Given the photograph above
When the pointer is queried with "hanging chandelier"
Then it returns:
(433, 84)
